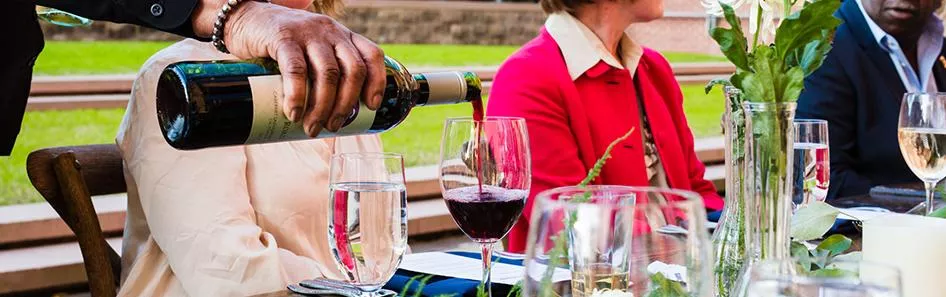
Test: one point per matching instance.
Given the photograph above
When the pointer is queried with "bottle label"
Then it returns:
(270, 124)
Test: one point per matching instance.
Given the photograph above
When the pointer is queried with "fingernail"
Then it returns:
(312, 131)
(334, 124)
(295, 114)
(376, 101)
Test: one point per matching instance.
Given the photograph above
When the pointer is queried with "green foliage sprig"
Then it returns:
(560, 248)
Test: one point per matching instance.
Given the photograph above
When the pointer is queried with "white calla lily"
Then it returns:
(714, 8)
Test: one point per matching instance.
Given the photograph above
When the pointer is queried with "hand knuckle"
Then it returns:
(296, 66)
(331, 74)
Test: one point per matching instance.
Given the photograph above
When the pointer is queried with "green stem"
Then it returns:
(758, 27)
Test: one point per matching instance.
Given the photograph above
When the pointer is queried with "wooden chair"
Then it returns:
(68, 177)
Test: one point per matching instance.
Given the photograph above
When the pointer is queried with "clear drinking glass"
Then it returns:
(786, 278)
(618, 241)
(812, 162)
(368, 223)
(485, 174)
(922, 138)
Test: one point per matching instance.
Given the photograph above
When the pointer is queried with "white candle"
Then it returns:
(915, 244)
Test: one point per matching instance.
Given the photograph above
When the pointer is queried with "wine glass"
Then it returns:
(787, 278)
(812, 162)
(485, 173)
(922, 138)
(618, 241)
(368, 221)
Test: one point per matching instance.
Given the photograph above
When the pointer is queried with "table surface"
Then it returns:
(893, 203)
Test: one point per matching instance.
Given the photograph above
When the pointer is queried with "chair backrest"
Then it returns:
(68, 177)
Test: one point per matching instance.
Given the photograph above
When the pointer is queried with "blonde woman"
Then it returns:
(230, 221)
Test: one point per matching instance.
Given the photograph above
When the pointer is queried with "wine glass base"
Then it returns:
(920, 209)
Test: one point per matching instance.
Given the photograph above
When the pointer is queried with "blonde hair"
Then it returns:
(332, 8)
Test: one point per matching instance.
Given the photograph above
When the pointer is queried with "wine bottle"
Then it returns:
(220, 103)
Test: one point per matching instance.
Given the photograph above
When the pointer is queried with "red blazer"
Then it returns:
(571, 123)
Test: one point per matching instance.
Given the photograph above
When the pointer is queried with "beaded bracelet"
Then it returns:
(222, 17)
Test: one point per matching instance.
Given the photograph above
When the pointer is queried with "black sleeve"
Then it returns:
(171, 16)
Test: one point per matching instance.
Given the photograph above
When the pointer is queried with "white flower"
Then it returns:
(610, 293)
(765, 23)
(713, 7)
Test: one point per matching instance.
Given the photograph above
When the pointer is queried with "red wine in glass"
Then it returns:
(485, 215)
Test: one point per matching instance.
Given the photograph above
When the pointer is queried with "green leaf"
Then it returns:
(732, 41)
(661, 286)
(516, 290)
(812, 221)
(834, 273)
(835, 244)
(792, 82)
(813, 56)
(801, 253)
(716, 82)
(801, 28)
(849, 257)
(820, 258)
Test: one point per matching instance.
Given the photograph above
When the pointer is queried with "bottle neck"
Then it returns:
(447, 87)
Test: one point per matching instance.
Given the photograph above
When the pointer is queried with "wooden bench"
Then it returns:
(37, 251)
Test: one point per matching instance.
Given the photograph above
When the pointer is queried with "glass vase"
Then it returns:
(767, 186)
(729, 242)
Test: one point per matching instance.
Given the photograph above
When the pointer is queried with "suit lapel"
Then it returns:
(939, 71)
(880, 59)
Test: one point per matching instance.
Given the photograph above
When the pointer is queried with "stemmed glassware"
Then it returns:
(368, 222)
(61, 18)
(922, 138)
(618, 241)
(812, 162)
(485, 174)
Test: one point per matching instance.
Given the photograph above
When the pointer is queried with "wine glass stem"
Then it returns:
(930, 186)
(487, 257)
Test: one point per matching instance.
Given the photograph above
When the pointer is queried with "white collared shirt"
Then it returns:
(582, 49)
(928, 50)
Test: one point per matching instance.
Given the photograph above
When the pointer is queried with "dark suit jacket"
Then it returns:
(23, 40)
(858, 91)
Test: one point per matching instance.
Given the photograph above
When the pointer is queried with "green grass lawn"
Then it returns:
(100, 57)
(418, 138)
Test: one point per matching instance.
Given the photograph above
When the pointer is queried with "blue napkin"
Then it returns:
(440, 285)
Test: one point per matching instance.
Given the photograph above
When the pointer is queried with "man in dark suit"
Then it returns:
(883, 49)
(344, 66)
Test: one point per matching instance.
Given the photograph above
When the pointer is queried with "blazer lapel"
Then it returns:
(880, 59)
(660, 121)
(939, 71)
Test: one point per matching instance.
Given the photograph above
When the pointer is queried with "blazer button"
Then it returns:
(157, 9)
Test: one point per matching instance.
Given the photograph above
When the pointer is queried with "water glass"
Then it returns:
(618, 241)
(787, 278)
(922, 126)
(368, 222)
(812, 162)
